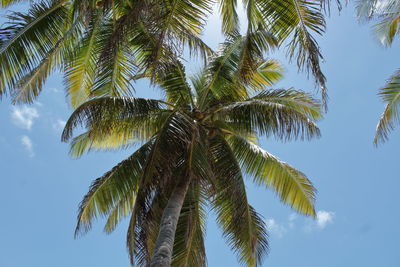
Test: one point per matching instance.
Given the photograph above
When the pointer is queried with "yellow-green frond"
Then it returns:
(267, 73)
(28, 39)
(242, 227)
(292, 186)
(390, 94)
(117, 185)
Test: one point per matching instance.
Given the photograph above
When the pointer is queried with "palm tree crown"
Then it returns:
(204, 135)
(101, 45)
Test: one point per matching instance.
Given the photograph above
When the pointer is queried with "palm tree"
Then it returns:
(102, 45)
(197, 143)
(387, 13)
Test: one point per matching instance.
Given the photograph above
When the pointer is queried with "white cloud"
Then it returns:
(275, 228)
(321, 221)
(27, 143)
(324, 218)
(291, 219)
(24, 116)
(54, 90)
(59, 125)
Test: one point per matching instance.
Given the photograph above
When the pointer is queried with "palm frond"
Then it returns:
(237, 64)
(81, 65)
(195, 45)
(29, 86)
(230, 18)
(121, 210)
(387, 13)
(230, 127)
(255, 43)
(181, 16)
(292, 186)
(390, 94)
(254, 15)
(174, 137)
(119, 133)
(266, 73)
(326, 5)
(243, 228)
(220, 74)
(388, 29)
(144, 44)
(103, 111)
(131, 236)
(175, 85)
(27, 39)
(94, 140)
(297, 19)
(106, 192)
(366, 9)
(115, 66)
(286, 114)
(7, 3)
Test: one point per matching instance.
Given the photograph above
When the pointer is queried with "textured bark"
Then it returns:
(165, 241)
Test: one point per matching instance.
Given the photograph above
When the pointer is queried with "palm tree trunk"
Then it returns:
(165, 241)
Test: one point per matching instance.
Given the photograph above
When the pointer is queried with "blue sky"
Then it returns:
(357, 183)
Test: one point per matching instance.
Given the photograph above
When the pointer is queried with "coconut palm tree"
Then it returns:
(196, 145)
(101, 45)
(387, 15)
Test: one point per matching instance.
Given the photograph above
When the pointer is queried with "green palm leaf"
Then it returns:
(29, 38)
(243, 228)
(181, 16)
(237, 64)
(106, 192)
(254, 44)
(29, 86)
(266, 73)
(230, 19)
(266, 112)
(7, 3)
(97, 140)
(103, 111)
(112, 125)
(115, 67)
(390, 94)
(175, 85)
(81, 65)
(292, 186)
(121, 210)
(297, 19)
